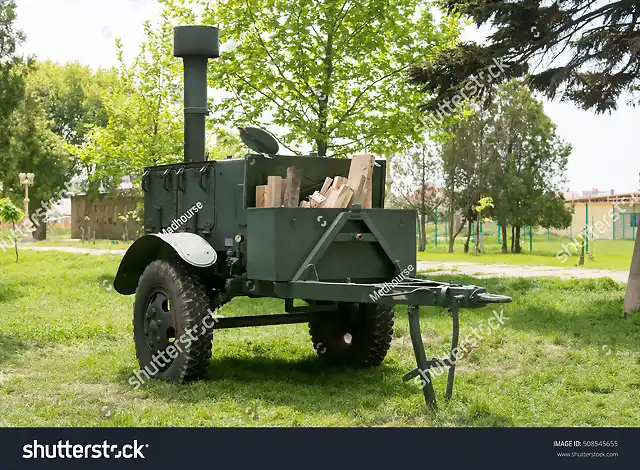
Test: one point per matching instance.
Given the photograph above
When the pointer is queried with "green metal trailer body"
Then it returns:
(205, 243)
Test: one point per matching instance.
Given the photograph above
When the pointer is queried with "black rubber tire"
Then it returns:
(189, 307)
(370, 327)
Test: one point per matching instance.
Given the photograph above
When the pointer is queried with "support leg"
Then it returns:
(421, 358)
(455, 333)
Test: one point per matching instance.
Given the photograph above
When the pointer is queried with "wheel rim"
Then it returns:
(159, 321)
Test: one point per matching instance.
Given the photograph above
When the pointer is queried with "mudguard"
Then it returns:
(192, 248)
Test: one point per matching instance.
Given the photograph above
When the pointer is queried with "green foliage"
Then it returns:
(34, 147)
(484, 203)
(227, 145)
(144, 124)
(72, 97)
(508, 149)
(414, 175)
(590, 50)
(330, 75)
(9, 212)
(11, 84)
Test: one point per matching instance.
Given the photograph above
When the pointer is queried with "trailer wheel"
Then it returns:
(170, 328)
(357, 335)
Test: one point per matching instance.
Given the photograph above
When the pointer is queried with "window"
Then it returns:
(634, 219)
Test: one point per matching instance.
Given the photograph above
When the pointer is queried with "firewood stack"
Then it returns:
(336, 192)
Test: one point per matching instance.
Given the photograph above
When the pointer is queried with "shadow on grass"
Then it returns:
(10, 347)
(600, 323)
(586, 312)
(8, 291)
(312, 386)
(309, 385)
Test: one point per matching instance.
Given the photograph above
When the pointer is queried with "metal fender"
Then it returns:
(192, 248)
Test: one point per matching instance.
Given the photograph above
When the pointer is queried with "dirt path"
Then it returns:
(437, 267)
(72, 249)
(506, 270)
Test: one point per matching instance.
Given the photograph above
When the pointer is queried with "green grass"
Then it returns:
(565, 357)
(608, 254)
(61, 237)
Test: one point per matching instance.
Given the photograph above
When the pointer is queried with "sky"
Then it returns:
(606, 150)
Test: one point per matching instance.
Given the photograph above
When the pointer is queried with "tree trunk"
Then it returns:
(420, 235)
(513, 239)
(466, 243)
(504, 238)
(632, 297)
(452, 236)
(15, 239)
(40, 229)
(423, 231)
(518, 248)
(476, 249)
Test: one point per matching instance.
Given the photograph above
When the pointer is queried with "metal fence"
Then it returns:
(626, 226)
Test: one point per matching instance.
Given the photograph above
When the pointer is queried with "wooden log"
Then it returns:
(326, 186)
(344, 197)
(359, 192)
(338, 198)
(292, 191)
(362, 165)
(261, 196)
(332, 196)
(339, 182)
(316, 199)
(274, 191)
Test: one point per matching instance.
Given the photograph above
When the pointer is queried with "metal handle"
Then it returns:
(492, 298)
(204, 171)
(164, 179)
(145, 176)
(179, 178)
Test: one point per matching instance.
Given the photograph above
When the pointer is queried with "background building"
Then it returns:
(99, 218)
(608, 216)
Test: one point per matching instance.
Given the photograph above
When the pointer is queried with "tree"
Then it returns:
(72, 95)
(35, 148)
(464, 171)
(414, 175)
(144, 114)
(328, 74)
(505, 147)
(11, 214)
(11, 84)
(483, 204)
(527, 162)
(227, 145)
(589, 52)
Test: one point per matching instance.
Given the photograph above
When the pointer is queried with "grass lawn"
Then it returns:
(564, 357)
(608, 254)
